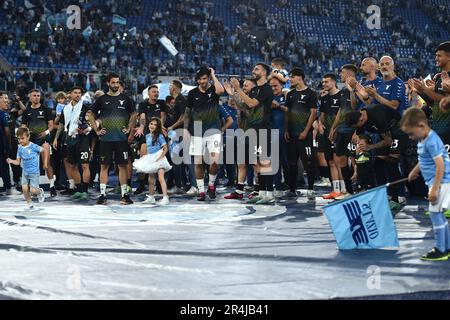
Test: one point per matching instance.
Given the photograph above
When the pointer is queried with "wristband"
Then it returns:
(47, 132)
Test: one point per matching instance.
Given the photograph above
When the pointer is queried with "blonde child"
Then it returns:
(434, 164)
(28, 155)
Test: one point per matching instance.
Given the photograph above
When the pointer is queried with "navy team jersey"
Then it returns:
(368, 83)
(394, 90)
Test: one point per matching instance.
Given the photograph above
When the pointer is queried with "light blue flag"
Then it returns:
(87, 32)
(119, 20)
(363, 221)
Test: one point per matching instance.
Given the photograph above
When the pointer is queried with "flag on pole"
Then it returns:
(119, 20)
(363, 221)
(87, 32)
(163, 89)
(166, 43)
(132, 31)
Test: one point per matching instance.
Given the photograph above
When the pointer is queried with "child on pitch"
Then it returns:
(434, 164)
(155, 161)
(280, 73)
(28, 155)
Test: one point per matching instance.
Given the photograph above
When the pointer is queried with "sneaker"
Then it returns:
(343, 196)
(311, 195)
(139, 189)
(102, 200)
(234, 196)
(164, 201)
(77, 195)
(212, 191)
(435, 255)
(331, 196)
(266, 200)
(323, 182)
(201, 196)
(31, 207)
(149, 200)
(84, 196)
(53, 192)
(253, 194)
(126, 199)
(254, 199)
(19, 188)
(447, 214)
(394, 206)
(68, 192)
(402, 201)
(175, 190)
(41, 195)
(193, 191)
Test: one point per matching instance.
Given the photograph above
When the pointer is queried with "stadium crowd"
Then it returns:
(201, 37)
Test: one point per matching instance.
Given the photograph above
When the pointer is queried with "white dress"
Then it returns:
(148, 163)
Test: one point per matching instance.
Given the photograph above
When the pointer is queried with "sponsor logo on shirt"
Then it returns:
(121, 104)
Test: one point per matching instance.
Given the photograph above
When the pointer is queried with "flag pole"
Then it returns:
(396, 182)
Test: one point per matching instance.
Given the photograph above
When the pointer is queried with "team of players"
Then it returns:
(347, 135)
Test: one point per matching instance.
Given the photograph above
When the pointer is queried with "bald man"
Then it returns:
(391, 96)
(369, 69)
(391, 93)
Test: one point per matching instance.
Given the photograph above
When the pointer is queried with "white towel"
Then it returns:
(71, 116)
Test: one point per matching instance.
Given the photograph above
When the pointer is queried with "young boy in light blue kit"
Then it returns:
(28, 155)
(434, 164)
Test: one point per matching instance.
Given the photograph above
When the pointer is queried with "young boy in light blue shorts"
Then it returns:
(434, 164)
(28, 155)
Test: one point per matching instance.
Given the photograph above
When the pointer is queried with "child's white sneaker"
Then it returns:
(164, 201)
(41, 195)
(149, 200)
